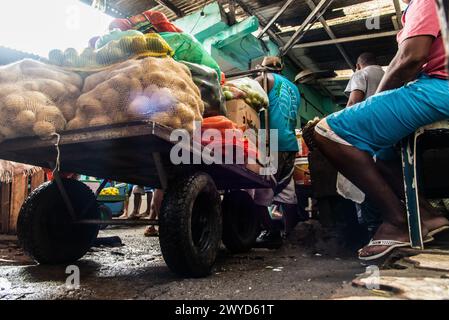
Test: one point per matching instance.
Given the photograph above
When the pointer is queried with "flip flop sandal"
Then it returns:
(428, 239)
(438, 231)
(151, 233)
(391, 244)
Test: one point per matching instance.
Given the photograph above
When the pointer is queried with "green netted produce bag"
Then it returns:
(115, 51)
(187, 48)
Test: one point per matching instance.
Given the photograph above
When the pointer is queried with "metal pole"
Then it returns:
(397, 7)
(443, 11)
(347, 39)
(64, 195)
(313, 15)
(274, 19)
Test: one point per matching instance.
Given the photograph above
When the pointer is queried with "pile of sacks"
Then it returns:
(40, 99)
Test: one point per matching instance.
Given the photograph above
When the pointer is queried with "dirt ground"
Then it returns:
(306, 267)
(136, 270)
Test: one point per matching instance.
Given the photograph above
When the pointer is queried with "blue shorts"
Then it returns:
(383, 120)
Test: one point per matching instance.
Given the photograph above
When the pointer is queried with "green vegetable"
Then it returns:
(228, 95)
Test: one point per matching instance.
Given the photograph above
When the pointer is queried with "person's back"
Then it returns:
(366, 80)
(285, 101)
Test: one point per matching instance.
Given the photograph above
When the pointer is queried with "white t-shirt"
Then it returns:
(366, 80)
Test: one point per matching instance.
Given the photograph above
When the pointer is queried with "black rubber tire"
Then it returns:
(44, 227)
(190, 225)
(240, 222)
(105, 214)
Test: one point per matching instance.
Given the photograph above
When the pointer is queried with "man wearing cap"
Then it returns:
(284, 104)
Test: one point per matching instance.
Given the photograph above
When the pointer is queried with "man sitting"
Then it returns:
(414, 92)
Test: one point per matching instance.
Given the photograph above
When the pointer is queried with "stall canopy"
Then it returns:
(318, 35)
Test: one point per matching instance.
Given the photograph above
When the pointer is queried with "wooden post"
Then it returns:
(5, 194)
(37, 179)
(18, 196)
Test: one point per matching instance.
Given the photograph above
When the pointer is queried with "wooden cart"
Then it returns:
(203, 204)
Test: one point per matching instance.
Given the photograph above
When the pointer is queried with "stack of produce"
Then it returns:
(160, 90)
(111, 191)
(113, 48)
(36, 98)
(248, 90)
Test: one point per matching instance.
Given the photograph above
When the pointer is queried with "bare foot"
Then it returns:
(386, 232)
(133, 216)
(144, 215)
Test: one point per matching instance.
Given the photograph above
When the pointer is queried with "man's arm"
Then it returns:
(408, 62)
(355, 97)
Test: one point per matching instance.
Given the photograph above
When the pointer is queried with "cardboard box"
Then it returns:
(243, 115)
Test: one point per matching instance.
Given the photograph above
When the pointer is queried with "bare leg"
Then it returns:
(149, 202)
(154, 212)
(360, 168)
(430, 217)
(137, 203)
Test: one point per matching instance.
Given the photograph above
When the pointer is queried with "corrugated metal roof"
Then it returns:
(119, 8)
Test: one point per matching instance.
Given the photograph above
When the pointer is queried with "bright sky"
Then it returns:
(38, 26)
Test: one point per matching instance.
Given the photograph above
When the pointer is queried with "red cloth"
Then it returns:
(421, 19)
(145, 20)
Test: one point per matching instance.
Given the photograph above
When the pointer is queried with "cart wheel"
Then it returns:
(190, 225)
(44, 226)
(240, 222)
(105, 214)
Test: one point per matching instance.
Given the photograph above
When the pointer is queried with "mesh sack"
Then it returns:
(156, 89)
(37, 99)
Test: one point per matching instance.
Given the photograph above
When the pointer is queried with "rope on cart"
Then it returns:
(58, 152)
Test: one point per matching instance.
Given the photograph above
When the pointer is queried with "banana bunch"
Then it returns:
(110, 192)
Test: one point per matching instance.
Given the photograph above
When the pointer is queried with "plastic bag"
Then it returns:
(145, 22)
(187, 48)
(256, 96)
(348, 190)
(207, 81)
